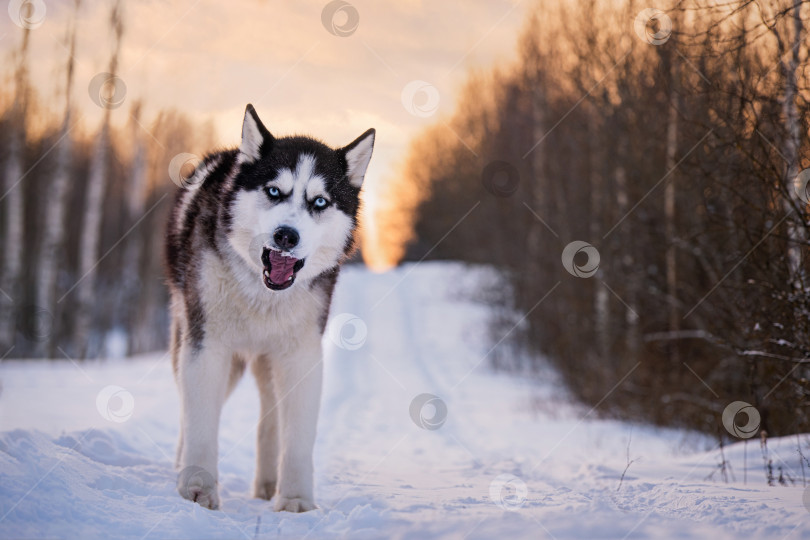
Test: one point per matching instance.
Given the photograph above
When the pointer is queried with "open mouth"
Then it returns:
(279, 269)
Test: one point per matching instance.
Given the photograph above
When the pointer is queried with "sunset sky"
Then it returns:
(208, 59)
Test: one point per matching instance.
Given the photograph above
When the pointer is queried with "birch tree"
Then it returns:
(596, 192)
(51, 247)
(670, 231)
(136, 193)
(94, 201)
(13, 210)
(789, 47)
(532, 58)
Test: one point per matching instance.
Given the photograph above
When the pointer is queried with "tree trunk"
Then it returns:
(674, 320)
(10, 293)
(130, 306)
(85, 335)
(797, 234)
(533, 238)
(89, 244)
(632, 337)
(51, 247)
(601, 309)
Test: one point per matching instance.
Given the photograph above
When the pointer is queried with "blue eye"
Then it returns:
(274, 192)
(320, 202)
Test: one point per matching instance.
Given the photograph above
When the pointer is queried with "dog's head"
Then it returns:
(293, 209)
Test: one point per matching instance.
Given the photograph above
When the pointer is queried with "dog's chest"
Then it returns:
(243, 314)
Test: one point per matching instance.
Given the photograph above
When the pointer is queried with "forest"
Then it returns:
(639, 177)
(84, 209)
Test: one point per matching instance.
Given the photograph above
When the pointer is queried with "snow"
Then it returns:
(86, 449)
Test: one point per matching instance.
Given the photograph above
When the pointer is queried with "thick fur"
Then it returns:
(225, 315)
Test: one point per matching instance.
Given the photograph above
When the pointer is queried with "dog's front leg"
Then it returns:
(298, 387)
(203, 379)
(264, 485)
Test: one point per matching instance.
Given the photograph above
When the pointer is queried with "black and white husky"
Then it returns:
(253, 248)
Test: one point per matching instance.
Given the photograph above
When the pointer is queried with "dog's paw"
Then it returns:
(293, 504)
(264, 489)
(198, 485)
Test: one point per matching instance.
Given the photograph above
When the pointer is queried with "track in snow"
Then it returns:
(66, 471)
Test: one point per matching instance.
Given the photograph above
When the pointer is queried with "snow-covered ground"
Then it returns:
(86, 450)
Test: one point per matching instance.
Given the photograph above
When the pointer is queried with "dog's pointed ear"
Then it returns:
(358, 154)
(255, 137)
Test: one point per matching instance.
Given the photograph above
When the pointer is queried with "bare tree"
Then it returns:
(51, 247)
(93, 212)
(670, 66)
(789, 48)
(596, 191)
(136, 194)
(13, 199)
(535, 87)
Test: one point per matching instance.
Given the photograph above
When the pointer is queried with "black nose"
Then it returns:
(286, 238)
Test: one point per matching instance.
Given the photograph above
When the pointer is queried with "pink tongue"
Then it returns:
(281, 267)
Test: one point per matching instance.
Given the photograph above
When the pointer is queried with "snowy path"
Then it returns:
(68, 472)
